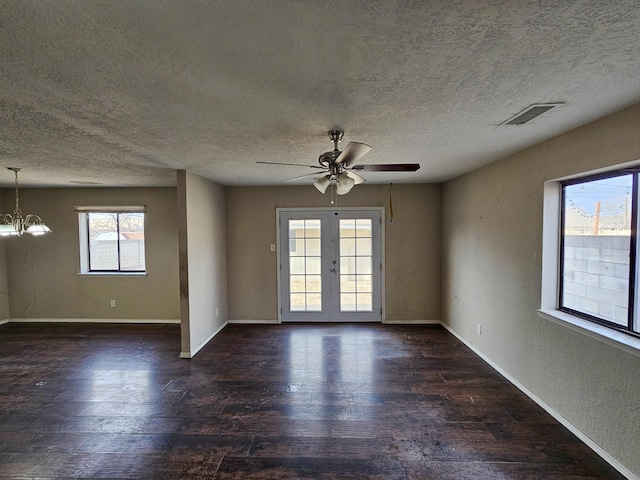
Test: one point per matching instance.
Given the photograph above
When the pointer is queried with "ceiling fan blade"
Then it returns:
(356, 178)
(302, 176)
(388, 167)
(292, 164)
(353, 153)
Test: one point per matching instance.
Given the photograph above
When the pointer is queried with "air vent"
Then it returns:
(529, 113)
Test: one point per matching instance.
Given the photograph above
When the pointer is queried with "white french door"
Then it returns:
(330, 265)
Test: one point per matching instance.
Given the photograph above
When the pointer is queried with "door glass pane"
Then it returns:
(314, 302)
(348, 302)
(347, 228)
(297, 302)
(305, 272)
(296, 266)
(348, 283)
(296, 247)
(297, 283)
(363, 265)
(313, 266)
(347, 246)
(314, 283)
(356, 265)
(312, 247)
(364, 302)
(347, 265)
(364, 283)
(597, 236)
(364, 246)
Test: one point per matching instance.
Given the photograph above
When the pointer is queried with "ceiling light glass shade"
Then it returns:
(7, 230)
(322, 183)
(38, 229)
(356, 178)
(344, 184)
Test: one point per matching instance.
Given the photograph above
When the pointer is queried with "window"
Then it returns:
(111, 240)
(598, 250)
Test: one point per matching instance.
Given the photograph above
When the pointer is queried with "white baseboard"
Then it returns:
(389, 322)
(412, 322)
(261, 322)
(578, 433)
(193, 352)
(2, 322)
(91, 320)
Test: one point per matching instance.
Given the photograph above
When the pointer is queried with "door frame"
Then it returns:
(331, 209)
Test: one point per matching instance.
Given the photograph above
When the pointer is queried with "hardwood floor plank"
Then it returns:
(293, 401)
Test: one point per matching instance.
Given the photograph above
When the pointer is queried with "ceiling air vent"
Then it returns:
(529, 113)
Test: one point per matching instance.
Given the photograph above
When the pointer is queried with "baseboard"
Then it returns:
(578, 433)
(3, 322)
(389, 322)
(193, 352)
(412, 322)
(261, 322)
(92, 320)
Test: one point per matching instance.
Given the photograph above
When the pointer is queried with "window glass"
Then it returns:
(115, 241)
(596, 248)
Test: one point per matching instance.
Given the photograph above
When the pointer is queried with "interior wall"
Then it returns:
(492, 238)
(4, 285)
(43, 272)
(203, 260)
(412, 253)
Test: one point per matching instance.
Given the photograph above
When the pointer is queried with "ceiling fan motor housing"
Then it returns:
(328, 159)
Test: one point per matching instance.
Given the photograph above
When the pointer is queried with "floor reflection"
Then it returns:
(340, 361)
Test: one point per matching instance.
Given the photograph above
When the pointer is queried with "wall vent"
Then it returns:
(529, 113)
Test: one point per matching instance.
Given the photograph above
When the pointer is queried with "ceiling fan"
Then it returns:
(340, 165)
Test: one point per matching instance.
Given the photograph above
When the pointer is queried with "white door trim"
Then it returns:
(279, 259)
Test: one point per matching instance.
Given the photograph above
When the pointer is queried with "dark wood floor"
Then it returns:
(263, 402)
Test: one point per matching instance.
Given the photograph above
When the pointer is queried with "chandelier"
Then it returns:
(16, 224)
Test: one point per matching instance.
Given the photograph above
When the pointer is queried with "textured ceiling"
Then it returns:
(125, 92)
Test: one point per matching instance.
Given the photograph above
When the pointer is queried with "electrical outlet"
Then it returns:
(217, 311)
(479, 328)
(113, 304)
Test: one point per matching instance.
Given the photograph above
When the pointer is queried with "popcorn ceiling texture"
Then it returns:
(124, 93)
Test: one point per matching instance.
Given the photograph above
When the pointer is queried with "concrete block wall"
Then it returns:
(596, 275)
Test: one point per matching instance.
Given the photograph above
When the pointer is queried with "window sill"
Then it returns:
(112, 274)
(611, 337)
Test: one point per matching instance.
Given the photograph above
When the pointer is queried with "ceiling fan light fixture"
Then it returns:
(344, 184)
(322, 183)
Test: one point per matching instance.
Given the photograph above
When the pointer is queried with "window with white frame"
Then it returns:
(598, 270)
(112, 239)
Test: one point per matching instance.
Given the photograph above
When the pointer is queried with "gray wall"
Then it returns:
(413, 244)
(202, 253)
(43, 271)
(492, 238)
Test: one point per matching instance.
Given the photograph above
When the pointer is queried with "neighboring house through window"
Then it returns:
(112, 239)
